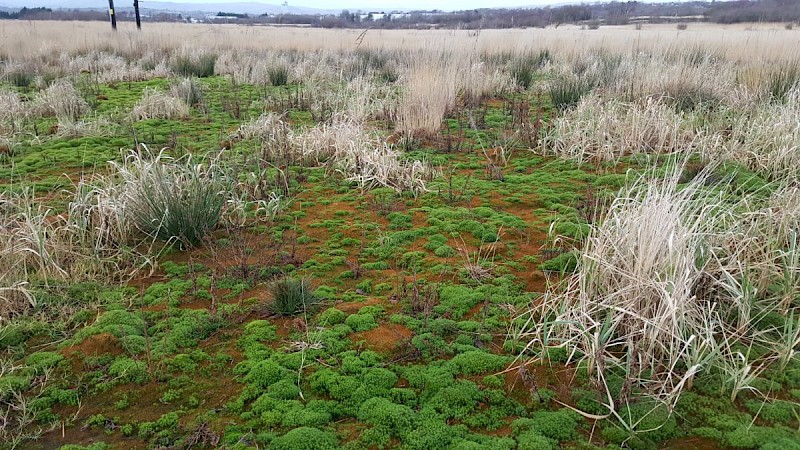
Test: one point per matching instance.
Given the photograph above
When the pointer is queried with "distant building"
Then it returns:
(375, 16)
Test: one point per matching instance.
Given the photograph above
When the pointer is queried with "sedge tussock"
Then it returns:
(12, 111)
(156, 104)
(171, 199)
(480, 81)
(768, 140)
(62, 101)
(189, 90)
(110, 68)
(606, 130)
(663, 292)
(361, 157)
(37, 246)
(97, 127)
(262, 126)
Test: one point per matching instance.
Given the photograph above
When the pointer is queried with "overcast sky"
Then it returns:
(399, 4)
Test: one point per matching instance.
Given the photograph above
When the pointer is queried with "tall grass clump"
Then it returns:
(598, 130)
(664, 295)
(156, 104)
(278, 75)
(345, 147)
(171, 199)
(292, 296)
(480, 81)
(781, 81)
(522, 74)
(189, 90)
(768, 139)
(566, 92)
(523, 67)
(63, 101)
(20, 77)
(265, 125)
(429, 94)
(645, 302)
(12, 111)
(194, 64)
(365, 100)
(92, 241)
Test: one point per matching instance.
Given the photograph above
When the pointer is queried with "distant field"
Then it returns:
(740, 42)
(220, 236)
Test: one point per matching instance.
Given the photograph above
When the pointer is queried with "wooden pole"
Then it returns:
(138, 18)
(112, 14)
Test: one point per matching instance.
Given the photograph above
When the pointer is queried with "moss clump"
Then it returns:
(332, 316)
(457, 401)
(563, 263)
(9, 384)
(433, 434)
(778, 411)
(284, 389)
(456, 301)
(265, 373)
(13, 334)
(41, 361)
(476, 362)
(532, 440)
(95, 446)
(746, 436)
(128, 370)
(380, 378)
(305, 438)
(255, 333)
(380, 412)
(361, 322)
(558, 425)
(339, 387)
(119, 323)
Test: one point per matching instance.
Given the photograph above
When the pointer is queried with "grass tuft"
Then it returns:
(172, 199)
(566, 92)
(292, 296)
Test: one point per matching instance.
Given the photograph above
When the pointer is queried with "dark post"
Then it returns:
(113, 16)
(138, 18)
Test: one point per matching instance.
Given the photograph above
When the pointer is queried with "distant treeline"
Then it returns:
(24, 13)
(612, 13)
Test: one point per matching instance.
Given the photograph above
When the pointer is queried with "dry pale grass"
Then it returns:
(480, 81)
(254, 67)
(96, 127)
(600, 130)
(156, 104)
(263, 126)
(61, 100)
(360, 156)
(12, 111)
(768, 139)
(661, 293)
(690, 74)
(741, 42)
(429, 93)
(109, 68)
